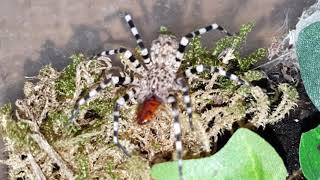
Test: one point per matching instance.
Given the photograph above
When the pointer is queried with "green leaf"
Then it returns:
(309, 154)
(245, 156)
(308, 55)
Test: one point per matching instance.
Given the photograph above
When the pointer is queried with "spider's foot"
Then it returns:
(72, 118)
(191, 125)
(93, 57)
(243, 82)
(124, 150)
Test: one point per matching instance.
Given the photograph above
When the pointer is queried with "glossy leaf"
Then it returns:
(245, 156)
(308, 51)
(309, 154)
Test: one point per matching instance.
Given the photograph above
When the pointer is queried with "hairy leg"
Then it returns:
(186, 98)
(186, 39)
(111, 79)
(116, 117)
(195, 70)
(127, 55)
(135, 33)
(177, 132)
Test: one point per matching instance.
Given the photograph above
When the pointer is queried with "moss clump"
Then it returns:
(102, 107)
(16, 131)
(65, 84)
(246, 62)
(234, 42)
(56, 126)
(253, 75)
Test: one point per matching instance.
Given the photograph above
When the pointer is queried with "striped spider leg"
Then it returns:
(177, 131)
(196, 70)
(186, 39)
(144, 51)
(116, 117)
(115, 80)
(183, 86)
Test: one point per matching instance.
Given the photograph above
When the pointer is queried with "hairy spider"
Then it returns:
(156, 81)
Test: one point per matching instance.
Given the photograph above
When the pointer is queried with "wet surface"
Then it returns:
(34, 33)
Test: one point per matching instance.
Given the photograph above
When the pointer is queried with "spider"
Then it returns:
(156, 82)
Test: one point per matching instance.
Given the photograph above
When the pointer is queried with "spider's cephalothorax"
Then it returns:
(156, 81)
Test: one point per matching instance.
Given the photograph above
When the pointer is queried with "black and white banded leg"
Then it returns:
(115, 80)
(186, 39)
(177, 132)
(116, 117)
(127, 55)
(186, 99)
(135, 32)
(196, 70)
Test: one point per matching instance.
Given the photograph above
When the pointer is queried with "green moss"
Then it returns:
(83, 165)
(65, 84)
(242, 35)
(253, 75)
(6, 109)
(246, 62)
(226, 84)
(197, 54)
(164, 30)
(16, 131)
(19, 133)
(109, 168)
(57, 126)
(239, 108)
(233, 41)
(101, 106)
(243, 90)
(290, 91)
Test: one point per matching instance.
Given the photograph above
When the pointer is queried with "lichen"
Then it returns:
(39, 126)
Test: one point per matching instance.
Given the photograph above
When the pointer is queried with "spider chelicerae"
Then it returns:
(156, 81)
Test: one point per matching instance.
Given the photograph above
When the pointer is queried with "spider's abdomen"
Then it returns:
(147, 110)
